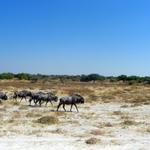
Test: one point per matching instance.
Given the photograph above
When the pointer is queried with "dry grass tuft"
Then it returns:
(93, 141)
(16, 115)
(129, 123)
(105, 125)
(58, 131)
(117, 113)
(2, 109)
(14, 103)
(108, 124)
(23, 107)
(59, 113)
(49, 120)
(148, 129)
(144, 130)
(124, 106)
(11, 120)
(98, 132)
(33, 115)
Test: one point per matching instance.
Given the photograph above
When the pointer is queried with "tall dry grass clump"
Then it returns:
(48, 120)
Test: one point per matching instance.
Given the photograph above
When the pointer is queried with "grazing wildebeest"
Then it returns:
(3, 96)
(71, 100)
(22, 94)
(41, 97)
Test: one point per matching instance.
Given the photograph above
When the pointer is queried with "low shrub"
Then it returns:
(48, 120)
(92, 141)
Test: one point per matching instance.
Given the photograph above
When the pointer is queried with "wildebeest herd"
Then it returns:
(40, 98)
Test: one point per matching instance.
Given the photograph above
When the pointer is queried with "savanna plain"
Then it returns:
(113, 117)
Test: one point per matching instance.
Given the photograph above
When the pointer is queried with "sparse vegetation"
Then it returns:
(33, 115)
(130, 80)
(92, 141)
(98, 132)
(109, 109)
(49, 120)
(129, 122)
(117, 113)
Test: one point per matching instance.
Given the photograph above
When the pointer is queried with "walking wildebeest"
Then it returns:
(41, 97)
(71, 100)
(22, 94)
(3, 96)
(34, 97)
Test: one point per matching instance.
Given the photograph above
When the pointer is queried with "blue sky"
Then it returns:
(109, 37)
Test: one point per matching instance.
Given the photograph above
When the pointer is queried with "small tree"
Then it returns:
(6, 76)
(122, 78)
(92, 77)
(23, 76)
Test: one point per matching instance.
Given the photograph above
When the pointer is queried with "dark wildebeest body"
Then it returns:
(3, 96)
(34, 97)
(71, 100)
(46, 98)
(22, 95)
(40, 98)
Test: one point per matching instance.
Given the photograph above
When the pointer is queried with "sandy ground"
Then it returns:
(116, 126)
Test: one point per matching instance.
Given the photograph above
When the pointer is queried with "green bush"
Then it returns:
(92, 77)
(83, 78)
(122, 78)
(23, 76)
(6, 76)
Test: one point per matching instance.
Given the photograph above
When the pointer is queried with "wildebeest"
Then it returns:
(3, 96)
(22, 94)
(34, 97)
(71, 100)
(40, 98)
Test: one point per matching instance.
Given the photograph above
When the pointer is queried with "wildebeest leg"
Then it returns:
(76, 107)
(59, 106)
(15, 98)
(64, 107)
(40, 103)
(25, 99)
(35, 101)
(46, 103)
(71, 108)
(21, 99)
(51, 103)
(30, 100)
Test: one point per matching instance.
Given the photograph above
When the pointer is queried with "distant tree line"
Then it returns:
(83, 78)
(22, 76)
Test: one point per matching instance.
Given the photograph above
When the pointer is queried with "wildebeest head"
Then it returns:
(5, 97)
(80, 99)
(28, 93)
(15, 94)
(55, 98)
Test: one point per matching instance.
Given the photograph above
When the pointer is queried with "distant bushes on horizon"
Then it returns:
(83, 78)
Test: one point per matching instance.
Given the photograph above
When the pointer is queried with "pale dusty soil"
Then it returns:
(117, 126)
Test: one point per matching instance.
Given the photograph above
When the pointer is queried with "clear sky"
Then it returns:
(109, 37)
